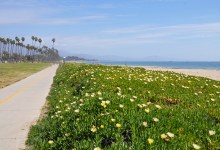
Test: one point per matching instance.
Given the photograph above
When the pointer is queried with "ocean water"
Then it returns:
(168, 64)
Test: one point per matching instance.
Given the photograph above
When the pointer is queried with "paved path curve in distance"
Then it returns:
(20, 107)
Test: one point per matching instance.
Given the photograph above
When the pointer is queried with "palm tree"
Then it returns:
(53, 40)
(35, 39)
(22, 39)
(8, 47)
(17, 39)
(2, 40)
(15, 50)
(40, 41)
(39, 49)
(17, 47)
(32, 37)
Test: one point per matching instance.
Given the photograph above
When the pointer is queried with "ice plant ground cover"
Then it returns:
(110, 107)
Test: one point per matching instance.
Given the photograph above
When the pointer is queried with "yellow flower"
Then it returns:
(118, 125)
(50, 142)
(103, 105)
(163, 136)
(170, 134)
(156, 119)
(97, 148)
(93, 129)
(145, 124)
(195, 146)
(113, 120)
(211, 132)
(147, 110)
(150, 141)
(102, 126)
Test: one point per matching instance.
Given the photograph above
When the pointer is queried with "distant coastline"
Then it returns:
(164, 64)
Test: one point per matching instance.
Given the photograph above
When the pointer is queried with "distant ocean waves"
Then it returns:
(168, 64)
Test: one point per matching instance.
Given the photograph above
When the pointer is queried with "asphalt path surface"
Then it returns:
(20, 107)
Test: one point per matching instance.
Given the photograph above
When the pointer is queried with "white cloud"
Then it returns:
(43, 13)
(76, 20)
(147, 31)
(139, 35)
(95, 42)
(19, 16)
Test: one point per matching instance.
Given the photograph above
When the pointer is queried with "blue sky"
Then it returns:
(125, 29)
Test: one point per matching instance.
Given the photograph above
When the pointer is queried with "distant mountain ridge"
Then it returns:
(123, 58)
(76, 58)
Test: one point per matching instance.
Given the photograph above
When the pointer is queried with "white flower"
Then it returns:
(97, 148)
(195, 146)
(148, 103)
(121, 106)
(119, 94)
(107, 102)
(156, 119)
(170, 134)
(77, 110)
(132, 100)
(147, 110)
(139, 105)
(50, 142)
(158, 106)
(145, 124)
(212, 99)
(211, 132)
(144, 105)
(93, 129)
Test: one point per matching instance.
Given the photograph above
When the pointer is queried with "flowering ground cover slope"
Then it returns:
(108, 107)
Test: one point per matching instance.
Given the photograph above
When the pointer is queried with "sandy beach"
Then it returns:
(208, 73)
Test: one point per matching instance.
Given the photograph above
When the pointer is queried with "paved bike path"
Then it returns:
(20, 107)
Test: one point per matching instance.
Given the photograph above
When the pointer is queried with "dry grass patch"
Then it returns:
(11, 73)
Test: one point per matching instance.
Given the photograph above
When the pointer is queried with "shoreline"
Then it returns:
(213, 74)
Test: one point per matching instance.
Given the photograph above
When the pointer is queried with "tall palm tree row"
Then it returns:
(14, 50)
